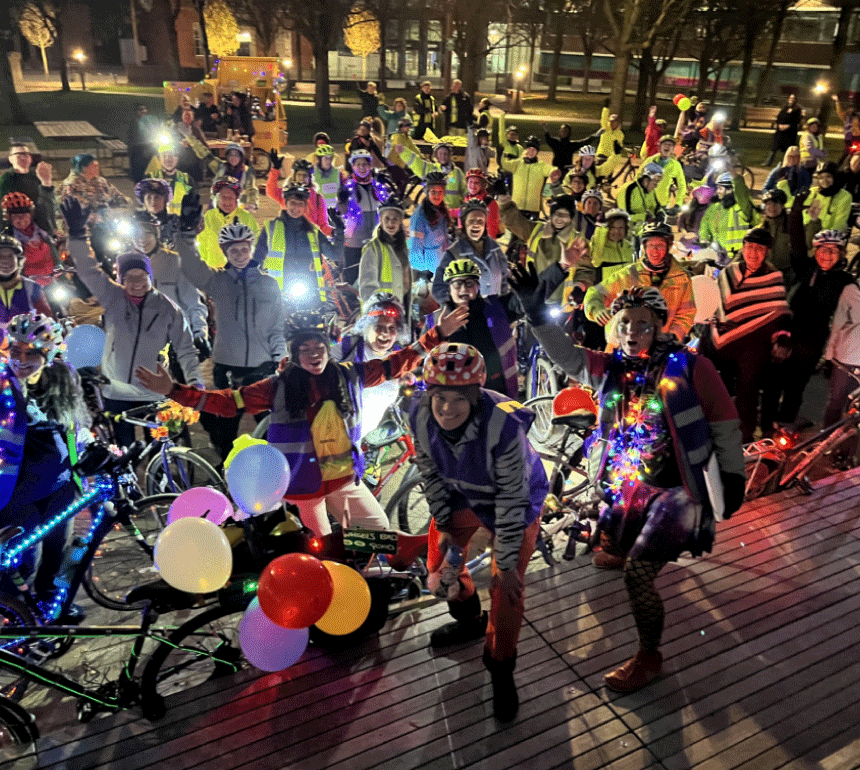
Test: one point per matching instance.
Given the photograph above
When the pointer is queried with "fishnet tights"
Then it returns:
(645, 602)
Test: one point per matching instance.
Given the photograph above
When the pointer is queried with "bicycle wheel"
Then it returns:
(121, 562)
(541, 429)
(18, 730)
(762, 477)
(542, 378)
(187, 469)
(408, 509)
(205, 647)
(13, 612)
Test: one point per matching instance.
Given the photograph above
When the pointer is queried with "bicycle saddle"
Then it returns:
(576, 421)
(161, 597)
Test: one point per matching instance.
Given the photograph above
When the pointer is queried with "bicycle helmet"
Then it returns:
(617, 214)
(641, 296)
(235, 232)
(724, 179)
(830, 237)
(532, 141)
(477, 173)
(228, 182)
(461, 268)
(657, 230)
(16, 203)
(587, 151)
(455, 364)
(302, 326)
(593, 193)
(293, 190)
(776, 195)
(436, 178)
(11, 242)
(566, 202)
(38, 331)
(442, 145)
(573, 401)
(233, 147)
(361, 155)
(472, 205)
(324, 151)
(482, 132)
(760, 236)
(392, 203)
(301, 164)
(157, 186)
(651, 170)
(666, 138)
(717, 150)
(383, 304)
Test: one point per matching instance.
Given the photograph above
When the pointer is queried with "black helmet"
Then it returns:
(302, 326)
(436, 177)
(393, 203)
(472, 205)
(759, 235)
(303, 165)
(532, 141)
(657, 230)
(776, 195)
(294, 190)
(10, 242)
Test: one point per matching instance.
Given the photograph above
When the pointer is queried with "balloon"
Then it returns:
(295, 590)
(684, 104)
(677, 99)
(85, 346)
(350, 604)
(193, 555)
(706, 294)
(202, 503)
(267, 645)
(246, 439)
(258, 477)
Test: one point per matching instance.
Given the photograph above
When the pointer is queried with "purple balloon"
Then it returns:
(267, 645)
(201, 503)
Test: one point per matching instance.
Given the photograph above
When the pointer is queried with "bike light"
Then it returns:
(554, 312)
(783, 439)
(685, 207)
(59, 293)
(124, 227)
(315, 544)
(720, 117)
(298, 290)
(718, 165)
(115, 244)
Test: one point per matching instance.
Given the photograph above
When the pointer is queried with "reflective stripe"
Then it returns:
(274, 261)
(237, 397)
(495, 425)
(688, 416)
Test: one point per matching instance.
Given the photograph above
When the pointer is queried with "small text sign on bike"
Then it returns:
(369, 541)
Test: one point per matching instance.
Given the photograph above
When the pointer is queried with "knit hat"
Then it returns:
(132, 260)
(760, 236)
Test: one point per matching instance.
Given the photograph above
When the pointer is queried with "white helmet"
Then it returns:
(235, 232)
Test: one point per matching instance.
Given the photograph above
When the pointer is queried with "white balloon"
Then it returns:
(193, 555)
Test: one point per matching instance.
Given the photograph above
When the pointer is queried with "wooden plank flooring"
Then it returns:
(762, 671)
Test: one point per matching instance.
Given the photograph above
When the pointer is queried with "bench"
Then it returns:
(765, 116)
(300, 90)
(113, 152)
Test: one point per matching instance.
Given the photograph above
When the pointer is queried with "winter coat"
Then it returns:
(835, 209)
(529, 177)
(136, 334)
(427, 243)
(844, 342)
(316, 211)
(458, 112)
(382, 269)
(493, 264)
(247, 178)
(168, 278)
(249, 311)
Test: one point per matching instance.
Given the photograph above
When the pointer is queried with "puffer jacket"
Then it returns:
(136, 334)
(249, 311)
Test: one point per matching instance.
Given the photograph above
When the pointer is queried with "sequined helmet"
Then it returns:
(38, 331)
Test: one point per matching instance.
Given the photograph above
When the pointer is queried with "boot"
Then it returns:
(506, 702)
(469, 624)
(641, 669)
(607, 557)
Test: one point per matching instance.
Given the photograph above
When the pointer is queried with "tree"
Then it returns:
(361, 34)
(159, 17)
(837, 54)
(588, 21)
(54, 16)
(37, 29)
(11, 111)
(265, 17)
(720, 28)
(779, 22)
(221, 29)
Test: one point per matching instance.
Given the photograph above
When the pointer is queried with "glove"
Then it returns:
(189, 219)
(204, 349)
(277, 160)
(533, 290)
(498, 187)
(734, 486)
(343, 196)
(335, 219)
(76, 217)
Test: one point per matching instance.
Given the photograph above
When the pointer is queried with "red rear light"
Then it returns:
(315, 545)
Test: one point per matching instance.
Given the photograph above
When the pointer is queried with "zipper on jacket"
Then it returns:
(149, 325)
(136, 338)
(247, 334)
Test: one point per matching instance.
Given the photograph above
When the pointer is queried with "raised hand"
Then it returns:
(157, 382)
(189, 218)
(76, 217)
(450, 322)
(45, 172)
(277, 160)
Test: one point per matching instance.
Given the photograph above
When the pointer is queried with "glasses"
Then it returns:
(637, 328)
(464, 283)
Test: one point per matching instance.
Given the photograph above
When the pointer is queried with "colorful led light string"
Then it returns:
(353, 210)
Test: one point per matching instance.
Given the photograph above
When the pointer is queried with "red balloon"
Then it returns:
(677, 99)
(295, 590)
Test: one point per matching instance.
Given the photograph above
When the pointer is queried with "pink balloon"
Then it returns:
(201, 503)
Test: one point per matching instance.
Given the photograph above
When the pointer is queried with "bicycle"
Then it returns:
(774, 464)
(169, 468)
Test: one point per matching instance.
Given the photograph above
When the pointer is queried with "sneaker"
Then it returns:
(637, 672)
(460, 631)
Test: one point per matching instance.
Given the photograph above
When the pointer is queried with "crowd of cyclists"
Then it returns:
(395, 253)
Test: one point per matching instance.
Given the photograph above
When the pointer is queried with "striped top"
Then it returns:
(748, 302)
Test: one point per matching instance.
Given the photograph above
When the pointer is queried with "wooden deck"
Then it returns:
(762, 670)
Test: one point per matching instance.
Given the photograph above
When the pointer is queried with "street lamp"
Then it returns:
(820, 87)
(518, 94)
(80, 57)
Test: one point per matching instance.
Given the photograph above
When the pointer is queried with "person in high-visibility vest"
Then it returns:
(327, 177)
(289, 244)
(225, 209)
(727, 221)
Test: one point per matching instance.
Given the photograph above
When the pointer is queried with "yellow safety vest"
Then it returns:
(274, 262)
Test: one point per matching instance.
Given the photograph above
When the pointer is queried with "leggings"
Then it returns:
(352, 505)
(503, 628)
(645, 602)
